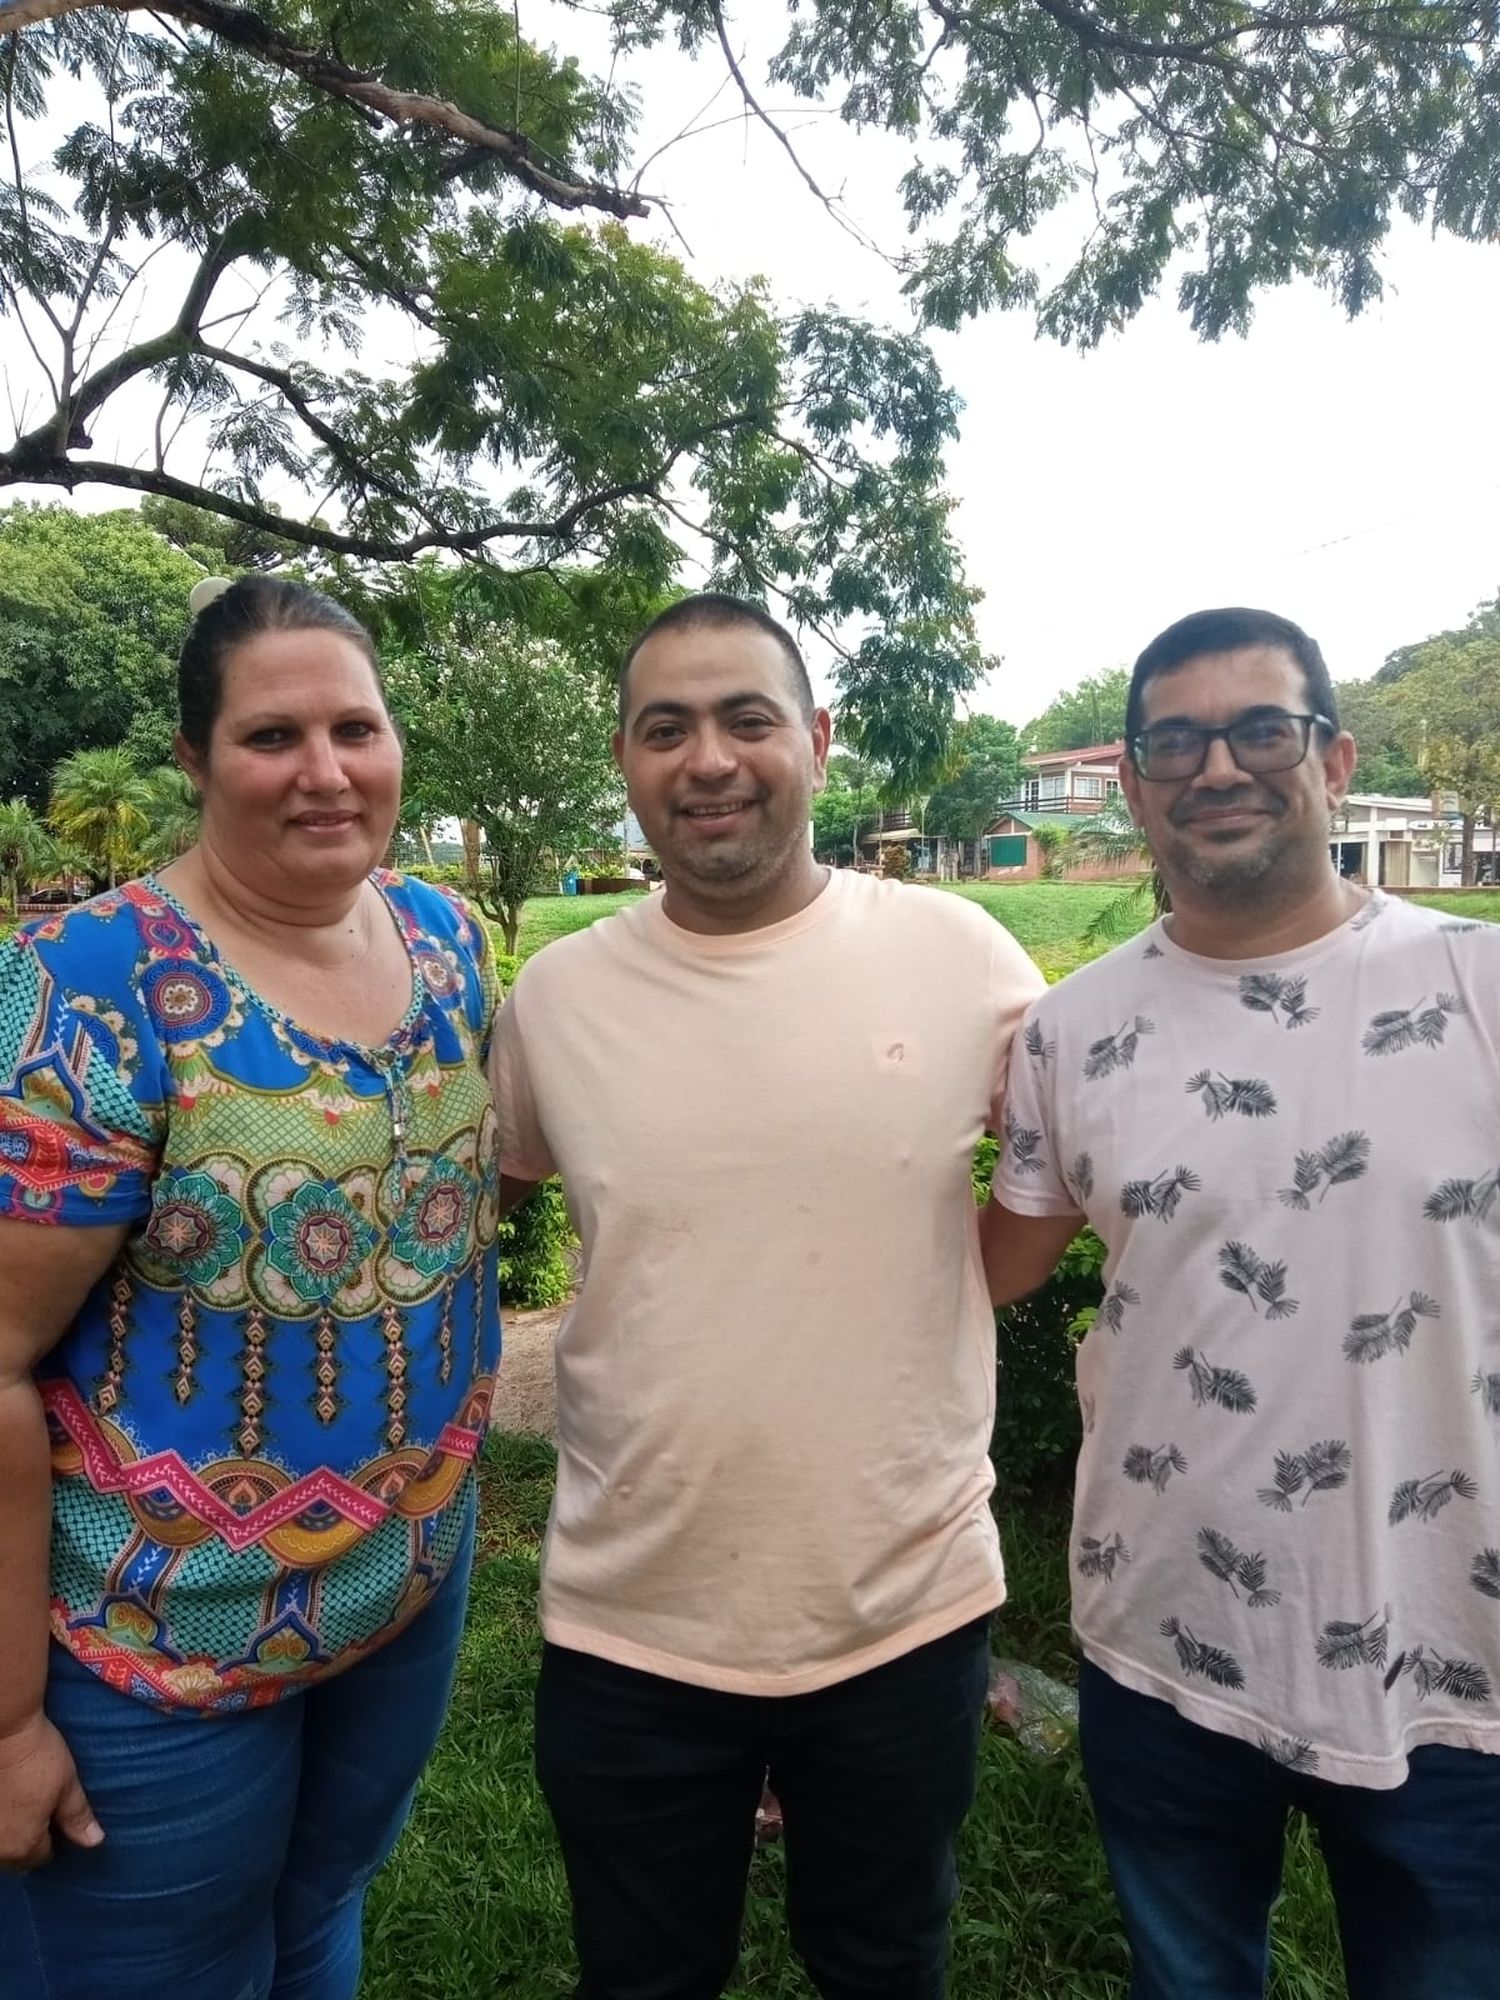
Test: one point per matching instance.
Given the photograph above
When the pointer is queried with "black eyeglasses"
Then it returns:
(1264, 741)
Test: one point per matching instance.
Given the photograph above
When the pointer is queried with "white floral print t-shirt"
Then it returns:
(1288, 1506)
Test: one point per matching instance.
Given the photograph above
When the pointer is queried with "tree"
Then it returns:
(99, 802)
(1110, 838)
(92, 611)
(1385, 766)
(842, 811)
(1093, 712)
(171, 808)
(984, 772)
(1447, 706)
(575, 398)
(27, 849)
(513, 735)
(1254, 145)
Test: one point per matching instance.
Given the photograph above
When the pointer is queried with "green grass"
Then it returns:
(1048, 918)
(547, 917)
(474, 1904)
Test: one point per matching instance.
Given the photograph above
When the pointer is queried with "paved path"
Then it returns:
(526, 1398)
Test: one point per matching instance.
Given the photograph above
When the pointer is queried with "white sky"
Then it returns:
(1347, 475)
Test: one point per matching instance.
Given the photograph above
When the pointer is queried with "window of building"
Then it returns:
(1054, 787)
(1031, 794)
(1087, 787)
(1008, 851)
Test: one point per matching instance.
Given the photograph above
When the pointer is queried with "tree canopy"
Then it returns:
(513, 734)
(1093, 712)
(92, 610)
(984, 771)
(1446, 706)
(251, 211)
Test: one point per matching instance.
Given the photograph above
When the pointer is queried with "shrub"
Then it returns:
(446, 874)
(1037, 1425)
(535, 1242)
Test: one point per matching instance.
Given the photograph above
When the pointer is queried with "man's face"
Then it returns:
(720, 761)
(1232, 831)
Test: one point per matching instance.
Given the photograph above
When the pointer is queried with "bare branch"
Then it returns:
(752, 105)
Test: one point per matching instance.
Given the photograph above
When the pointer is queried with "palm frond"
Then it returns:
(1484, 1573)
(1465, 1680)
(1327, 1464)
(1231, 1391)
(1389, 1033)
(1251, 1097)
(1261, 991)
(1449, 1201)
(1345, 1158)
(1218, 1554)
(1239, 1269)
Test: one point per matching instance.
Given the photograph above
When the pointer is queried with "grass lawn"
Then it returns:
(473, 1903)
(1048, 918)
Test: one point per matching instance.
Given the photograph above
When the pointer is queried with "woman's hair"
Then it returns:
(237, 613)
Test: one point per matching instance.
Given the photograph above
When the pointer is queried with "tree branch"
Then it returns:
(752, 105)
(242, 28)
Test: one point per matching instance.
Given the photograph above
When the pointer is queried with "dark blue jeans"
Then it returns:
(653, 1787)
(237, 1848)
(1194, 1822)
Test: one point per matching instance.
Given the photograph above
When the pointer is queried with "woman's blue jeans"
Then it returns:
(1194, 1823)
(237, 1848)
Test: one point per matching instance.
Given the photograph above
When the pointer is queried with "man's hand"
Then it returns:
(39, 1790)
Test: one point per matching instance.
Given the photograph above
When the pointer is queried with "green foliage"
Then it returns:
(172, 811)
(983, 773)
(27, 850)
(569, 400)
(1367, 711)
(1091, 713)
(92, 610)
(1447, 713)
(841, 813)
(1037, 1425)
(511, 733)
(534, 1243)
(100, 805)
(1240, 149)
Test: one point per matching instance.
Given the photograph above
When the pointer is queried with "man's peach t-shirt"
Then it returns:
(777, 1383)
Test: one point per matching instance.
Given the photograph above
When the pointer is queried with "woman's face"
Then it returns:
(302, 784)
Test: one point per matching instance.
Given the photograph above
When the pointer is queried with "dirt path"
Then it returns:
(526, 1398)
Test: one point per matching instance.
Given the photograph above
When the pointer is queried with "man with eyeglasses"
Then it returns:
(1280, 1109)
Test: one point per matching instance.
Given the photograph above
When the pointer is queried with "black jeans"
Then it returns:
(653, 1786)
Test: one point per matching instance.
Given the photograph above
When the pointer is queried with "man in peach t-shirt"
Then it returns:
(771, 1549)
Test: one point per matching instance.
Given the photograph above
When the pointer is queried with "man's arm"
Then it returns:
(1021, 1251)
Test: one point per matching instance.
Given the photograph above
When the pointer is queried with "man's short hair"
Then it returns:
(1225, 631)
(715, 610)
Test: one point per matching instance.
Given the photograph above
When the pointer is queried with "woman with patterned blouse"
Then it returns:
(248, 1335)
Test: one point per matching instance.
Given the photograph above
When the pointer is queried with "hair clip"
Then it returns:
(205, 590)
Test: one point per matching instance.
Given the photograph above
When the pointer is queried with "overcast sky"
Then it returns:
(1347, 475)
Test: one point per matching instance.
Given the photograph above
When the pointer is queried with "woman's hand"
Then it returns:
(39, 1790)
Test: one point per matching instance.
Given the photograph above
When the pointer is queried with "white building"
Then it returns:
(1404, 844)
